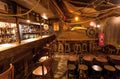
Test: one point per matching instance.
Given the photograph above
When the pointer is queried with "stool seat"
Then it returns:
(109, 68)
(117, 67)
(97, 68)
(115, 57)
(42, 59)
(73, 58)
(82, 67)
(88, 57)
(38, 71)
(101, 59)
(71, 67)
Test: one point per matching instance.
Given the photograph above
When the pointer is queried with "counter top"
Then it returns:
(12, 45)
(9, 50)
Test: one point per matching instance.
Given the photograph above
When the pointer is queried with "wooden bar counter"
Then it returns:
(21, 55)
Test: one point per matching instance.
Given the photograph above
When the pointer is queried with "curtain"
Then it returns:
(112, 31)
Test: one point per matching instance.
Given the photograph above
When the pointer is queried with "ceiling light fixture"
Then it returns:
(76, 18)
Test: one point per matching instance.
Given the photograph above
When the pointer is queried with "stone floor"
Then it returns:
(61, 68)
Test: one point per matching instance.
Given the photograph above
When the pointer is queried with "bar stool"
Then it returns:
(84, 47)
(72, 60)
(97, 71)
(82, 68)
(117, 71)
(88, 60)
(43, 69)
(71, 71)
(67, 47)
(101, 61)
(77, 48)
(8, 74)
(109, 72)
(60, 47)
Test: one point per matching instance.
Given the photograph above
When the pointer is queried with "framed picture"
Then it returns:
(56, 26)
(3, 7)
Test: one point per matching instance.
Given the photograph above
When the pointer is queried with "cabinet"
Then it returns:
(29, 31)
(8, 32)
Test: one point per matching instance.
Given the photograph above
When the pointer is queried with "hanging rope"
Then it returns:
(22, 13)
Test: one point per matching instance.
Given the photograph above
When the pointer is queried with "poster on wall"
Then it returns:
(56, 26)
(101, 39)
(3, 7)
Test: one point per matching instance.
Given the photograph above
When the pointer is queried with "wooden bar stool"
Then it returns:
(101, 61)
(8, 74)
(67, 47)
(72, 65)
(82, 71)
(97, 72)
(43, 69)
(117, 71)
(71, 71)
(84, 47)
(73, 59)
(109, 72)
(77, 48)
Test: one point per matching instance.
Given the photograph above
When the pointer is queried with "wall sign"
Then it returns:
(101, 39)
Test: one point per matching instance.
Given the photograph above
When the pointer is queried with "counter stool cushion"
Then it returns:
(109, 68)
(71, 67)
(38, 71)
(42, 59)
(82, 67)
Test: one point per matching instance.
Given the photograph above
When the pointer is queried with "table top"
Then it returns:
(82, 67)
(109, 67)
(88, 57)
(117, 67)
(97, 68)
(115, 57)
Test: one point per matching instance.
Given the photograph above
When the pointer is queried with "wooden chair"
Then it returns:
(8, 74)
(67, 48)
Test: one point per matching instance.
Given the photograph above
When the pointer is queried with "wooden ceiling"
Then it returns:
(67, 9)
(88, 8)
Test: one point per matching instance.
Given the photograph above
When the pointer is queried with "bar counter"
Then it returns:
(21, 54)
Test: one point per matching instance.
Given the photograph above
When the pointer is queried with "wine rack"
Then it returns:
(7, 32)
(30, 31)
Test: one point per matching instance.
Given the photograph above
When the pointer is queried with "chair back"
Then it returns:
(8, 74)
(48, 64)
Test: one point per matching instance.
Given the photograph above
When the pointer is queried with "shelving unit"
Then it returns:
(8, 32)
(29, 31)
